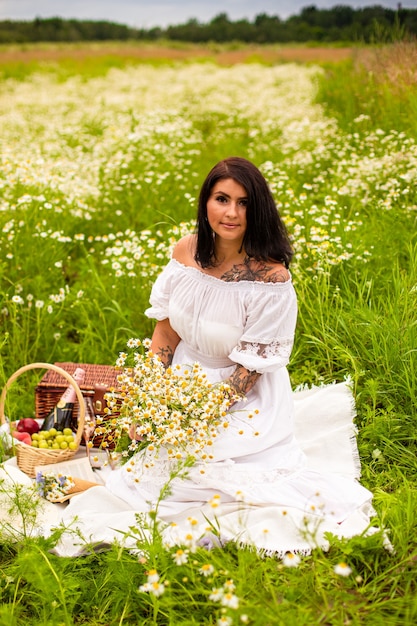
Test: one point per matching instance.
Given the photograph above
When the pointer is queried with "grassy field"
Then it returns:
(103, 152)
(122, 53)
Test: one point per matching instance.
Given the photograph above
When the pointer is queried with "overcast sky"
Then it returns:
(148, 13)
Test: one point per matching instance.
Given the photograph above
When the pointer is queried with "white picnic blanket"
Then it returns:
(326, 432)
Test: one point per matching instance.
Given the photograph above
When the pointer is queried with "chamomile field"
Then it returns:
(102, 157)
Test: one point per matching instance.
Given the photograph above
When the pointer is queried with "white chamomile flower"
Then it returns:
(342, 569)
(291, 560)
(180, 557)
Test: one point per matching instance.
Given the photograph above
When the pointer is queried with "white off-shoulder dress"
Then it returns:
(284, 476)
(282, 481)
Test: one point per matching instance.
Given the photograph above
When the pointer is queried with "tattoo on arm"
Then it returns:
(166, 355)
(242, 380)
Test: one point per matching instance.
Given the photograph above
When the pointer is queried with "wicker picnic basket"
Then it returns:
(99, 380)
(27, 457)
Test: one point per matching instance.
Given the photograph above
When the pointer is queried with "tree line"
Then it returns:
(339, 23)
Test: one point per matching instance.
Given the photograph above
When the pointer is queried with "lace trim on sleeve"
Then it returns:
(279, 348)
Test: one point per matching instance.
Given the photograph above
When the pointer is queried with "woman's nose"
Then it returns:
(231, 208)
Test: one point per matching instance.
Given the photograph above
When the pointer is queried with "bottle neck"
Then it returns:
(69, 396)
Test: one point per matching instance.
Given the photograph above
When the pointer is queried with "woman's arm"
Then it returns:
(164, 341)
(242, 380)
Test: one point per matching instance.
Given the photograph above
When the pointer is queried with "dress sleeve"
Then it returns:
(268, 335)
(160, 293)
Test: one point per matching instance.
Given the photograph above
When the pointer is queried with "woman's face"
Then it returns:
(226, 210)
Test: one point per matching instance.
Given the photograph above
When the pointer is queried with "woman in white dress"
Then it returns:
(284, 475)
(226, 300)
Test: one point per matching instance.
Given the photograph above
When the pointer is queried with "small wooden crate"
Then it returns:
(99, 380)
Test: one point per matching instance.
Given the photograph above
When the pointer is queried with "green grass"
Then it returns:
(99, 177)
(382, 87)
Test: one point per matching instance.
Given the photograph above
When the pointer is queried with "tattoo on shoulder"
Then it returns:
(166, 355)
(261, 272)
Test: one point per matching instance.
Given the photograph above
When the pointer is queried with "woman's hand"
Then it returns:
(132, 433)
(242, 380)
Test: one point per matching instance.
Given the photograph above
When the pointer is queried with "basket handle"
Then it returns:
(59, 370)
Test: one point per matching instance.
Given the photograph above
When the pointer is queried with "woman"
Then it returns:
(284, 473)
(226, 300)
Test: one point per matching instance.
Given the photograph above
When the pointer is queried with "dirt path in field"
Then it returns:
(51, 53)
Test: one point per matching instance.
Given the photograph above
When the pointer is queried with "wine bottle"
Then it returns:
(61, 415)
(90, 423)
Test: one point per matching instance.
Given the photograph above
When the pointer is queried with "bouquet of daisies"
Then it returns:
(53, 487)
(58, 487)
(175, 408)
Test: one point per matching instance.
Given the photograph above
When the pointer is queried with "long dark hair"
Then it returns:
(266, 237)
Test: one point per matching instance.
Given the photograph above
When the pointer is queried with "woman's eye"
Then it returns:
(221, 199)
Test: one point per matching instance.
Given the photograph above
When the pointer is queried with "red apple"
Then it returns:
(28, 425)
(23, 437)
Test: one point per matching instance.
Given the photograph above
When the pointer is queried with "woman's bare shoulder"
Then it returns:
(184, 250)
(270, 272)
